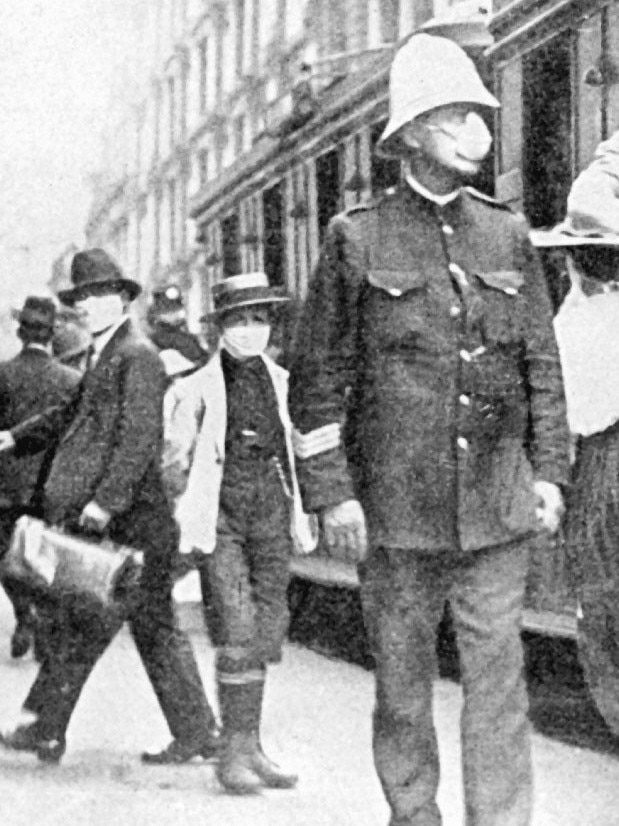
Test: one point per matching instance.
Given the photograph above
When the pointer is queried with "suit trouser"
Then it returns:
(18, 593)
(78, 638)
(403, 594)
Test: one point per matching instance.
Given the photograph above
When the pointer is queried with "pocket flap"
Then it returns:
(397, 282)
(507, 281)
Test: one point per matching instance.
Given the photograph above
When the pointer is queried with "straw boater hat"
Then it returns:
(428, 72)
(248, 289)
(92, 269)
(592, 217)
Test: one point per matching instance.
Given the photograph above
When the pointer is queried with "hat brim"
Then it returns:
(74, 294)
(545, 238)
(273, 301)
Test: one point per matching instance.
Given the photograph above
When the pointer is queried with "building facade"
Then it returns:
(214, 80)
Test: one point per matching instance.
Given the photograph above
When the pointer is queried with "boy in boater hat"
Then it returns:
(428, 330)
(229, 458)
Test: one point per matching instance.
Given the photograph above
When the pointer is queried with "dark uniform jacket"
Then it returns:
(427, 331)
(29, 382)
(110, 442)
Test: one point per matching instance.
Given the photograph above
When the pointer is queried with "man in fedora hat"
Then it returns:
(104, 478)
(72, 338)
(427, 331)
(230, 464)
(29, 382)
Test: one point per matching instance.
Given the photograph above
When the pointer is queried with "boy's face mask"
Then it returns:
(246, 331)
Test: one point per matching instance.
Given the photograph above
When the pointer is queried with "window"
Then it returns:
(203, 69)
(390, 20)
(328, 188)
(231, 248)
(171, 109)
(240, 36)
(239, 135)
(203, 159)
(172, 214)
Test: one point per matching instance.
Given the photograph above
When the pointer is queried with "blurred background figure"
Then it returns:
(72, 339)
(29, 382)
(167, 322)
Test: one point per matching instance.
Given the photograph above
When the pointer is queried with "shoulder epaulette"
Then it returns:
(488, 199)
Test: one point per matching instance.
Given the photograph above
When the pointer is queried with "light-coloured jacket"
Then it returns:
(195, 414)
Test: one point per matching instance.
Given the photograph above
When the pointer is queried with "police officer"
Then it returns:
(167, 319)
(427, 332)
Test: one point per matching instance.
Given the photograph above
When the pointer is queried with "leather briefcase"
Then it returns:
(60, 563)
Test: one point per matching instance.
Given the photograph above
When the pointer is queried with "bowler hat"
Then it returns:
(94, 268)
(37, 310)
(245, 290)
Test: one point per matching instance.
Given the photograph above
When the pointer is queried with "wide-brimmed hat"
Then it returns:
(592, 216)
(94, 268)
(38, 311)
(245, 290)
(428, 72)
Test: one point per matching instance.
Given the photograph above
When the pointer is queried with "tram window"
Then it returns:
(547, 124)
(273, 234)
(385, 172)
(231, 248)
(328, 185)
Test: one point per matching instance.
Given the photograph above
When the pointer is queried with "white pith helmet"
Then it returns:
(427, 72)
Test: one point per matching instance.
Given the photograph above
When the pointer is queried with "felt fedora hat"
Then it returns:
(93, 269)
(592, 214)
(37, 311)
(245, 290)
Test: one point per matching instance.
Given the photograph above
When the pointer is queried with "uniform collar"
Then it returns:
(420, 189)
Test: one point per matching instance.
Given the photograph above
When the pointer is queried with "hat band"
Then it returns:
(248, 295)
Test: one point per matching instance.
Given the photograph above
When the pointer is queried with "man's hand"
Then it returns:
(6, 440)
(551, 507)
(345, 530)
(94, 519)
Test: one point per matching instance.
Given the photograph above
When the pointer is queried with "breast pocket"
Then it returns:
(505, 311)
(396, 312)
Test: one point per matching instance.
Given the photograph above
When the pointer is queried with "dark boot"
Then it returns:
(234, 771)
(31, 738)
(271, 775)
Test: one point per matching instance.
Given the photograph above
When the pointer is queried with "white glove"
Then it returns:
(94, 518)
(6, 440)
(345, 530)
(551, 507)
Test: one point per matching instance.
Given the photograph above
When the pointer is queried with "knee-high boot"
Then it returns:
(244, 767)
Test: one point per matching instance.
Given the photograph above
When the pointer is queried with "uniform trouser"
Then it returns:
(78, 638)
(403, 595)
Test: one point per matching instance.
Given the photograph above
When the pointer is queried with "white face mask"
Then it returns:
(471, 138)
(246, 340)
(101, 311)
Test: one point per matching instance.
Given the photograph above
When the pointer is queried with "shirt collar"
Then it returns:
(420, 189)
(34, 346)
(99, 342)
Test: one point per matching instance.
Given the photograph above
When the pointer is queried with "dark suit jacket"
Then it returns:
(109, 448)
(29, 383)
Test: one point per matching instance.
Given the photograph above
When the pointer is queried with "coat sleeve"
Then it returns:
(322, 370)
(183, 415)
(42, 430)
(138, 432)
(549, 435)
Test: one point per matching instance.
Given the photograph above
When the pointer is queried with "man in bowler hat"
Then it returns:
(104, 478)
(29, 382)
(428, 332)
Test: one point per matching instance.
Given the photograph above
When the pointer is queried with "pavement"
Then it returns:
(317, 721)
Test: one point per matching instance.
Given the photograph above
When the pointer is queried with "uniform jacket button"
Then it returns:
(463, 443)
(447, 229)
(455, 312)
(464, 400)
(465, 355)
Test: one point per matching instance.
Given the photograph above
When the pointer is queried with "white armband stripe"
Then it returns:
(316, 441)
